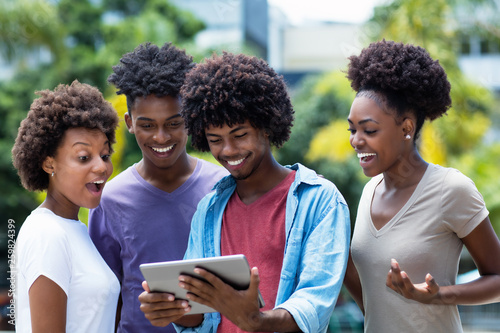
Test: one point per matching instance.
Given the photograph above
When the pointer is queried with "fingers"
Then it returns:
(161, 308)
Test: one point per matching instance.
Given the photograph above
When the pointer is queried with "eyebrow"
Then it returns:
(149, 119)
(363, 121)
(87, 144)
(232, 131)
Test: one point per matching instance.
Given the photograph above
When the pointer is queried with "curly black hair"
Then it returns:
(406, 76)
(41, 132)
(150, 70)
(230, 89)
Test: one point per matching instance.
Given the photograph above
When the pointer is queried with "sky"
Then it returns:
(300, 11)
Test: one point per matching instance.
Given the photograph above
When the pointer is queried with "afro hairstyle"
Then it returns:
(230, 89)
(406, 76)
(77, 105)
(150, 70)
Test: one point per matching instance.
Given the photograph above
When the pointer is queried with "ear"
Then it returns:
(408, 127)
(48, 165)
(129, 123)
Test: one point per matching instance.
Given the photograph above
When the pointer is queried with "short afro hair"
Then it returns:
(150, 70)
(406, 76)
(230, 89)
(77, 105)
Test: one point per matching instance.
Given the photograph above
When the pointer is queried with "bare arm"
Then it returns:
(47, 306)
(353, 284)
(484, 247)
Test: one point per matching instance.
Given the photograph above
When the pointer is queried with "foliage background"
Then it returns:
(83, 39)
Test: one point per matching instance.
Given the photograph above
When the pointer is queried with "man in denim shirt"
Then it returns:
(290, 223)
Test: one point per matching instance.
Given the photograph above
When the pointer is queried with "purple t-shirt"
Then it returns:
(138, 223)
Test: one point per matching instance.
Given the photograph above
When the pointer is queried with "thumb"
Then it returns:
(431, 283)
(254, 280)
(145, 286)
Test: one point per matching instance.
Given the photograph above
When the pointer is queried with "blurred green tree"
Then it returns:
(47, 43)
(322, 103)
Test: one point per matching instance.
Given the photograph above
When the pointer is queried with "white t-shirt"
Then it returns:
(61, 250)
(424, 237)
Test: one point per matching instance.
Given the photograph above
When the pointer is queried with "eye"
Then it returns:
(370, 132)
(146, 126)
(83, 158)
(241, 135)
(352, 130)
(214, 140)
(106, 157)
(176, 124)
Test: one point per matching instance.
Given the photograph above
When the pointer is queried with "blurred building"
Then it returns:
(314, 47)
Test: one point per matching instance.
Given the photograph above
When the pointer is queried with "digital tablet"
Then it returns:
(164, 276)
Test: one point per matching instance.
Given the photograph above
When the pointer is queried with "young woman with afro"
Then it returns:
(414, 217)
(63, 147)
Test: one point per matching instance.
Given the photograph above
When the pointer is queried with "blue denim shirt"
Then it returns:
(316, 249)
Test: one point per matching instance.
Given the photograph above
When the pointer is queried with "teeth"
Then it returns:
(162, 150)
(362, 155)
(233, 163)
(99, 182)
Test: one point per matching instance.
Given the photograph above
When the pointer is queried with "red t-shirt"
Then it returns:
(258, 231)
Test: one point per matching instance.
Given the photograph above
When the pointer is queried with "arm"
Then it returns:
(239, 306)
(47, 306)
(484, 247)
(322, 254)
(353, 284)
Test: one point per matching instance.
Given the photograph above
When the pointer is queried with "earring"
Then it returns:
(408, 137)
(52, 174)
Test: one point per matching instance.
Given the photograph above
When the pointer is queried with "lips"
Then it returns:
(366, 157)
(95, 187)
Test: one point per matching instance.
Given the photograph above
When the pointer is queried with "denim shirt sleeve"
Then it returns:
(203, 237)
(320, 240)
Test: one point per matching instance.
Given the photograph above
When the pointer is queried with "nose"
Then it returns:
(356, 140)
(101, 166)
(229, 149)
(161, 136)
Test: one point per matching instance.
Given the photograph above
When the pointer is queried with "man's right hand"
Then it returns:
(162, 309)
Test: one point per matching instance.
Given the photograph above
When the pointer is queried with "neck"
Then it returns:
(265, 178)
(408, 172)
(168, 179)
(58, 208)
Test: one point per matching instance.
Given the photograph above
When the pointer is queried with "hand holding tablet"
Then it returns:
(164, 276)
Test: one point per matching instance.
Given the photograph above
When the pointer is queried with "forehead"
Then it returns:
(154, 107)
(86, 136)
(225, 128)
(364, 108)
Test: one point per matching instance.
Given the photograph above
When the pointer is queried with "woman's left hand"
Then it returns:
(425, 292)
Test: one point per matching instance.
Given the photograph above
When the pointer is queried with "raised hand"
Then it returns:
(425, 292)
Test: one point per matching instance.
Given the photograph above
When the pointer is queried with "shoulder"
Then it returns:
(120, 181)
(451, 179)
(208, 169)
(43, 226)
(309, 183)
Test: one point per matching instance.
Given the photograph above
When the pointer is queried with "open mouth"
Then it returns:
(95, 187)
(365, 157)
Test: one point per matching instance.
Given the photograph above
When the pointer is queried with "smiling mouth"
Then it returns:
(234, 163)
(365, 156)
(162, 150)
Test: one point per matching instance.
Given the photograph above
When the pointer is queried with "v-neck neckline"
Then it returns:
(394, 220)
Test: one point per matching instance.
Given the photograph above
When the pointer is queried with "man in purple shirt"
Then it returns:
(145, 212)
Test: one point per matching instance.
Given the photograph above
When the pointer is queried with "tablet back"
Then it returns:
(164, 276)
